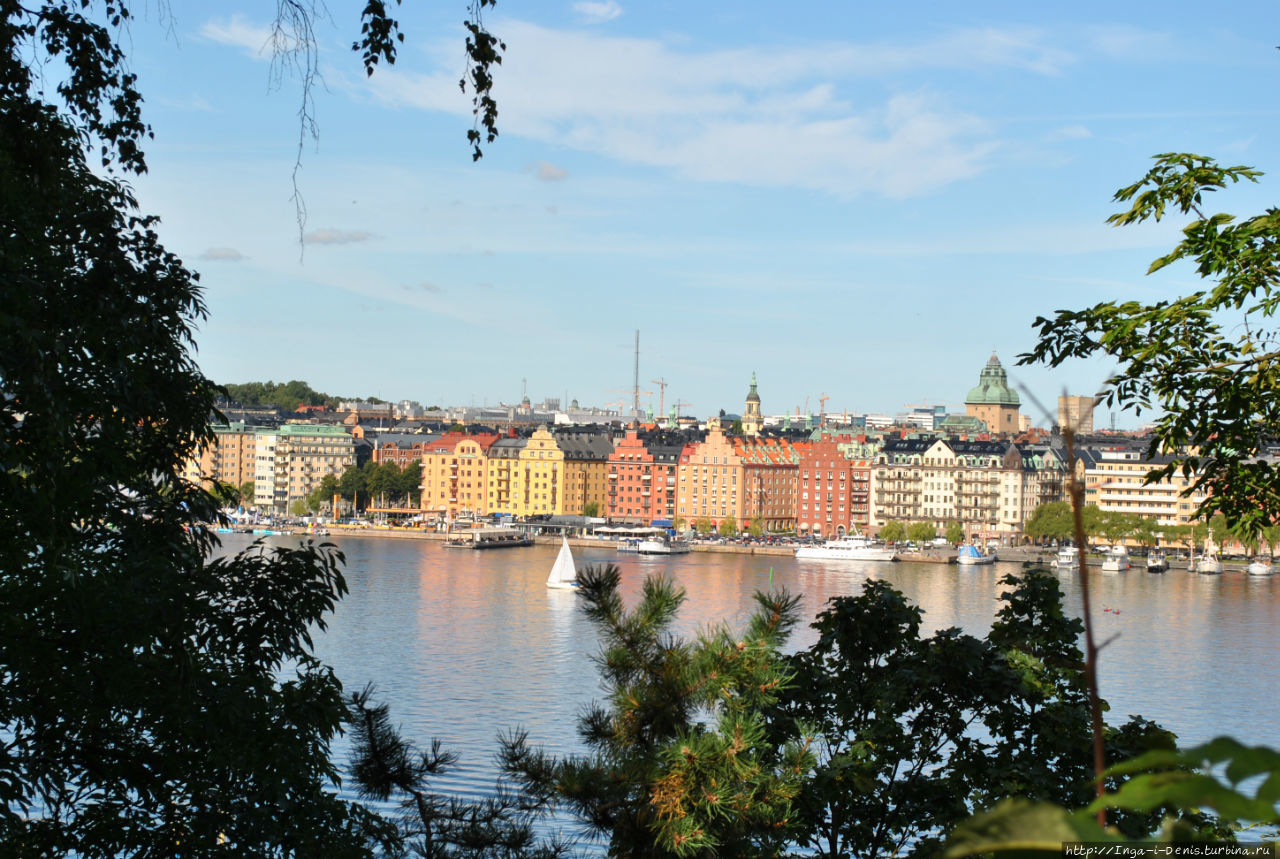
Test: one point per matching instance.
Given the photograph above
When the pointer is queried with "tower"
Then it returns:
(751, 418)
(993, 402)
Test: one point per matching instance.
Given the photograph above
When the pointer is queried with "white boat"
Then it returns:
(663, 545)
(1259, 567)
(1068, 558)
(1157, 562)
(563, 573)
(971, 555)
(847, 549)
(631, 545)
(1117, 560)
(1208, 564)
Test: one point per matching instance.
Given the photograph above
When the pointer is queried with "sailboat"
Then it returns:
(563, 573)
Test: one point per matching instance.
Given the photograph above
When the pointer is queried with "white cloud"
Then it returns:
(1070, 132)
(757, 116)
(548, 172)
(259, 41)
(223, 255)
(335, 237)
(597, 13)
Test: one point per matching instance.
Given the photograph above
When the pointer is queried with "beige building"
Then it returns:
(709, 480)
(1115, 480)
(231, 458)
(1076, 413)
(455, 476)
(291, 460)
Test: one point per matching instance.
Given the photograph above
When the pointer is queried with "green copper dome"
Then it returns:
(752, 396)
(993, 387)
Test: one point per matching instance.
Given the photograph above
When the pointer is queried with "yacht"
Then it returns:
(971, 555)
(1117, 560)
(1259, 567)
(1068, 558)
(1208, 564)
(847, 549)
(1157, 562)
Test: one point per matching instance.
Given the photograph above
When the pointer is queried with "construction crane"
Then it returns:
(680, 404)
(662, 392)
(822, 408)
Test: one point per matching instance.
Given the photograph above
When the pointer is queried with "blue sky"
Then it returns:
(851, 199)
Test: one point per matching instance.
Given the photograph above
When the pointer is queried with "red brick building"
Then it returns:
(834, 491)
(642, 481)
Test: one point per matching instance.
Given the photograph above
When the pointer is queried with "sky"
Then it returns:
(862, 201)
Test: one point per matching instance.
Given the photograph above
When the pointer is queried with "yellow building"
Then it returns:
(504, 466)
(538, 480)
(586, 470)
(1115, 481)
(455, 476)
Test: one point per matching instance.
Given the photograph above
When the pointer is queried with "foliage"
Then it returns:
(152, 696)
(679, 522)
(287, 396)
(1206, 363)
(893, 532)
(591, 508)
(921, 532)
(679, 763)
(955, 533)
(895, 759)
(1050, 521)
(384, 766)
(756, 526)
(728, 527)
(386, 480)
(246, 493)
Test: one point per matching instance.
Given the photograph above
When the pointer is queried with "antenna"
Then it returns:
(635, 404)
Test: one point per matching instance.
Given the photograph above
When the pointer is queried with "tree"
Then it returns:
(921, 532)
(728, 527)
(679, 522)
(756, 527)
(1206, 363)
(955, 533)
(152, 696)
(895, 763)
(679, 764)
(591, 508)
(704, 525)
(246, 493)
(1050, 521)
(893, 532)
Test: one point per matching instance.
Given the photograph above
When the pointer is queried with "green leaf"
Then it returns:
(1020, 827)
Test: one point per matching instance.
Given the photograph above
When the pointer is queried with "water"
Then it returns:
(464, 645)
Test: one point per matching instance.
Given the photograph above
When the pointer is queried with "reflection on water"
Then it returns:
(465, 644)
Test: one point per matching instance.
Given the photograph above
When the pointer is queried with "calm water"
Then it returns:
(466, 644)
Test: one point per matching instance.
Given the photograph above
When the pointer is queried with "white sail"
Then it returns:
(563, 573)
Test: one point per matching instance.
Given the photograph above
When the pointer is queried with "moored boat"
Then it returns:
(970, 555)
(847, 549)
(1068, 558)
(664, 545)
(1157, 562)
(489, 538)
(1259, 567)
(1117, 560)
(1208, 564)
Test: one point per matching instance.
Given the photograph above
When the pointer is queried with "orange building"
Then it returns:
(642, 481)
(709, 481)
(768, 469)
(835, 491)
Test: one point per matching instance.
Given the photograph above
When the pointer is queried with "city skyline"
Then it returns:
(863, 207)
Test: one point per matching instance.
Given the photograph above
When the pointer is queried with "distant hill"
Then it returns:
(287, 396)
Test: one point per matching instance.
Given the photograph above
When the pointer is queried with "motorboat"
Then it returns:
(1117, 560)
(564, 575)
(663, 545)
(1068, 558)
(847, 549)
(1259, 567)
(1157, 562)
(970, 555)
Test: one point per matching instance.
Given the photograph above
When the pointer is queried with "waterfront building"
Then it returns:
(642, 480)
(990, 487)
(229, 458)
(455, 475)
(993, 402)
(291, 460)
(586, 469)
(768, 472)
(539, 477)
(752, 420)
(834, 487)
(1115, 480)
(504, 462)
(1076, 414)
(709, 478)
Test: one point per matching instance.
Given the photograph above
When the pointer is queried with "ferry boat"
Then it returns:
(663, 545)
(847, 549)
(489, 538)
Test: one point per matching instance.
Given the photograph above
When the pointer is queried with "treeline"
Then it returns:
(286, 396)
(1054, 521)
(386, 483)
